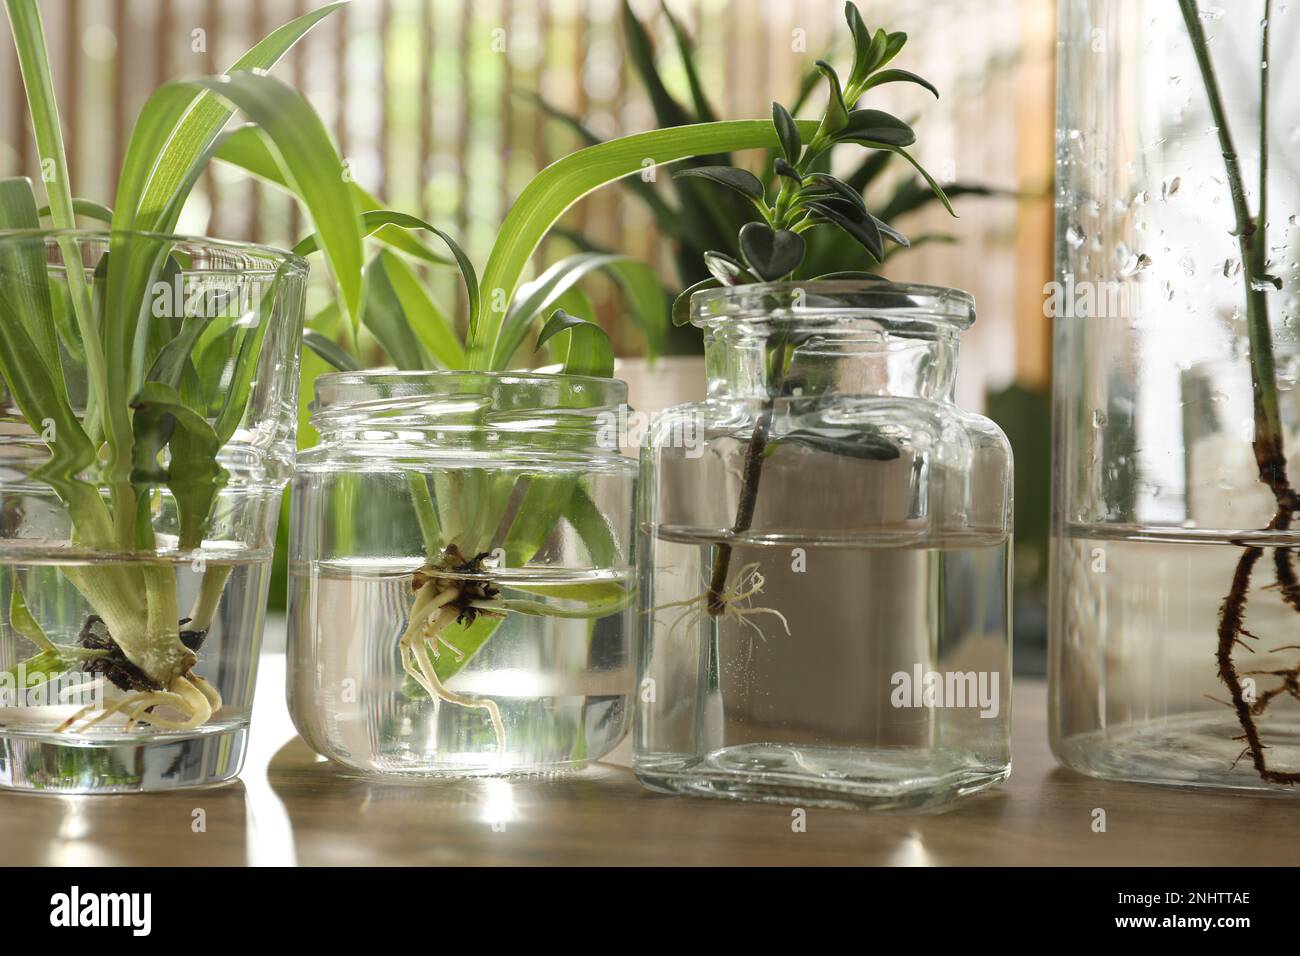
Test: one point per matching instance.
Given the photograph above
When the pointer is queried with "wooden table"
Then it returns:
(292, 807)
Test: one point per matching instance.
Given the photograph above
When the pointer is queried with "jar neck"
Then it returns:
(852, 338)
(743, 363)
(495, 414)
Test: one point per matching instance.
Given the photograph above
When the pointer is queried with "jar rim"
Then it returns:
(276, 259)
(335, 390)
(831, 301)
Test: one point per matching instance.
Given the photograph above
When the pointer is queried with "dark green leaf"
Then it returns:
(900, 76)
(782, 168)
(590, 352)
(740, 180)
(853, 221)
(876, 126)
(854, 443)
(827, 183)
(330, 351)
(787, 132)
(192, 472)
(771, 253)
(862, 51)
(685, 49)
(668, 112)
(837, 111)
(682, 304)
(726, 269)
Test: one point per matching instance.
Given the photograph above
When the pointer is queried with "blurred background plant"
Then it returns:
(427, 101)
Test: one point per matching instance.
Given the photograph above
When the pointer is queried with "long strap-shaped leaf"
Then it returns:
(33, 59)
(146, 192)
(567, 180)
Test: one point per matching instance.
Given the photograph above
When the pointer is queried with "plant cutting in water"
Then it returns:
(457, 604)
(150, 424)
(1269, 445)
(807, 196)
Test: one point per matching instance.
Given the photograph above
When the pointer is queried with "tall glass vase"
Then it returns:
(1175, 612)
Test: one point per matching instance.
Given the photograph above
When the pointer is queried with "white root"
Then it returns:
(189, 694)
(749, 583)
(429, 618)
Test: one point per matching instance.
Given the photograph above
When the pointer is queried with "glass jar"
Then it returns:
(1177, 417)
(460, 594)
(133, 607)
(824, 556)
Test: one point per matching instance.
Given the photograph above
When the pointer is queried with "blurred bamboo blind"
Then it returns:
(423, 97)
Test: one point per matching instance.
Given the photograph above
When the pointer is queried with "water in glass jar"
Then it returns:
(561, 683)
(873, 673)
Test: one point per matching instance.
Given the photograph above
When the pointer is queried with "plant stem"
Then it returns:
(715, 599)
(1268, 444)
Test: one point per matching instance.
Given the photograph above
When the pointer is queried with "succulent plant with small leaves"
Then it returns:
(804, 196)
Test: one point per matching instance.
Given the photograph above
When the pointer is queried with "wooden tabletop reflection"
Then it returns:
(291, 807)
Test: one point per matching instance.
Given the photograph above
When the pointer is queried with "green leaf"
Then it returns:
(727, 270)
(567, 180)
(899, 76)
(539, 296)
(382, 314)
(934, 185)
(21, 620)
(372, 221)
(431, 325)
(857, 224)
(590, 352)
(873, 127)
(646, 300)
(682, 304)
(151, 192)
(734, 178)
(245, 148)
(787, 132)
(825, 182)
(192, 473)
(850, 443)
(86, 208)
(782, 168)
(43, 110)
(771, 253)
(668, 112)
(26, 276)
(330, 351)
(837, 112)
(312, 165)
(686, 50)
(863, 53)
(250, 350)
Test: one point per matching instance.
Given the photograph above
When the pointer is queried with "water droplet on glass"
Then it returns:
(1074, 236)
(1231, 267)
(1170, 187)
(1098, 418)
(1188, 265)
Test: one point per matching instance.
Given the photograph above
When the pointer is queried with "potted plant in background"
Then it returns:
(148, 430)
(824, 572)
(1174, 596)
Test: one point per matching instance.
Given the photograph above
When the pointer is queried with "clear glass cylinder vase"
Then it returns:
(824, 556)
(1176, 414)
(461, 573)
(147, 431)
